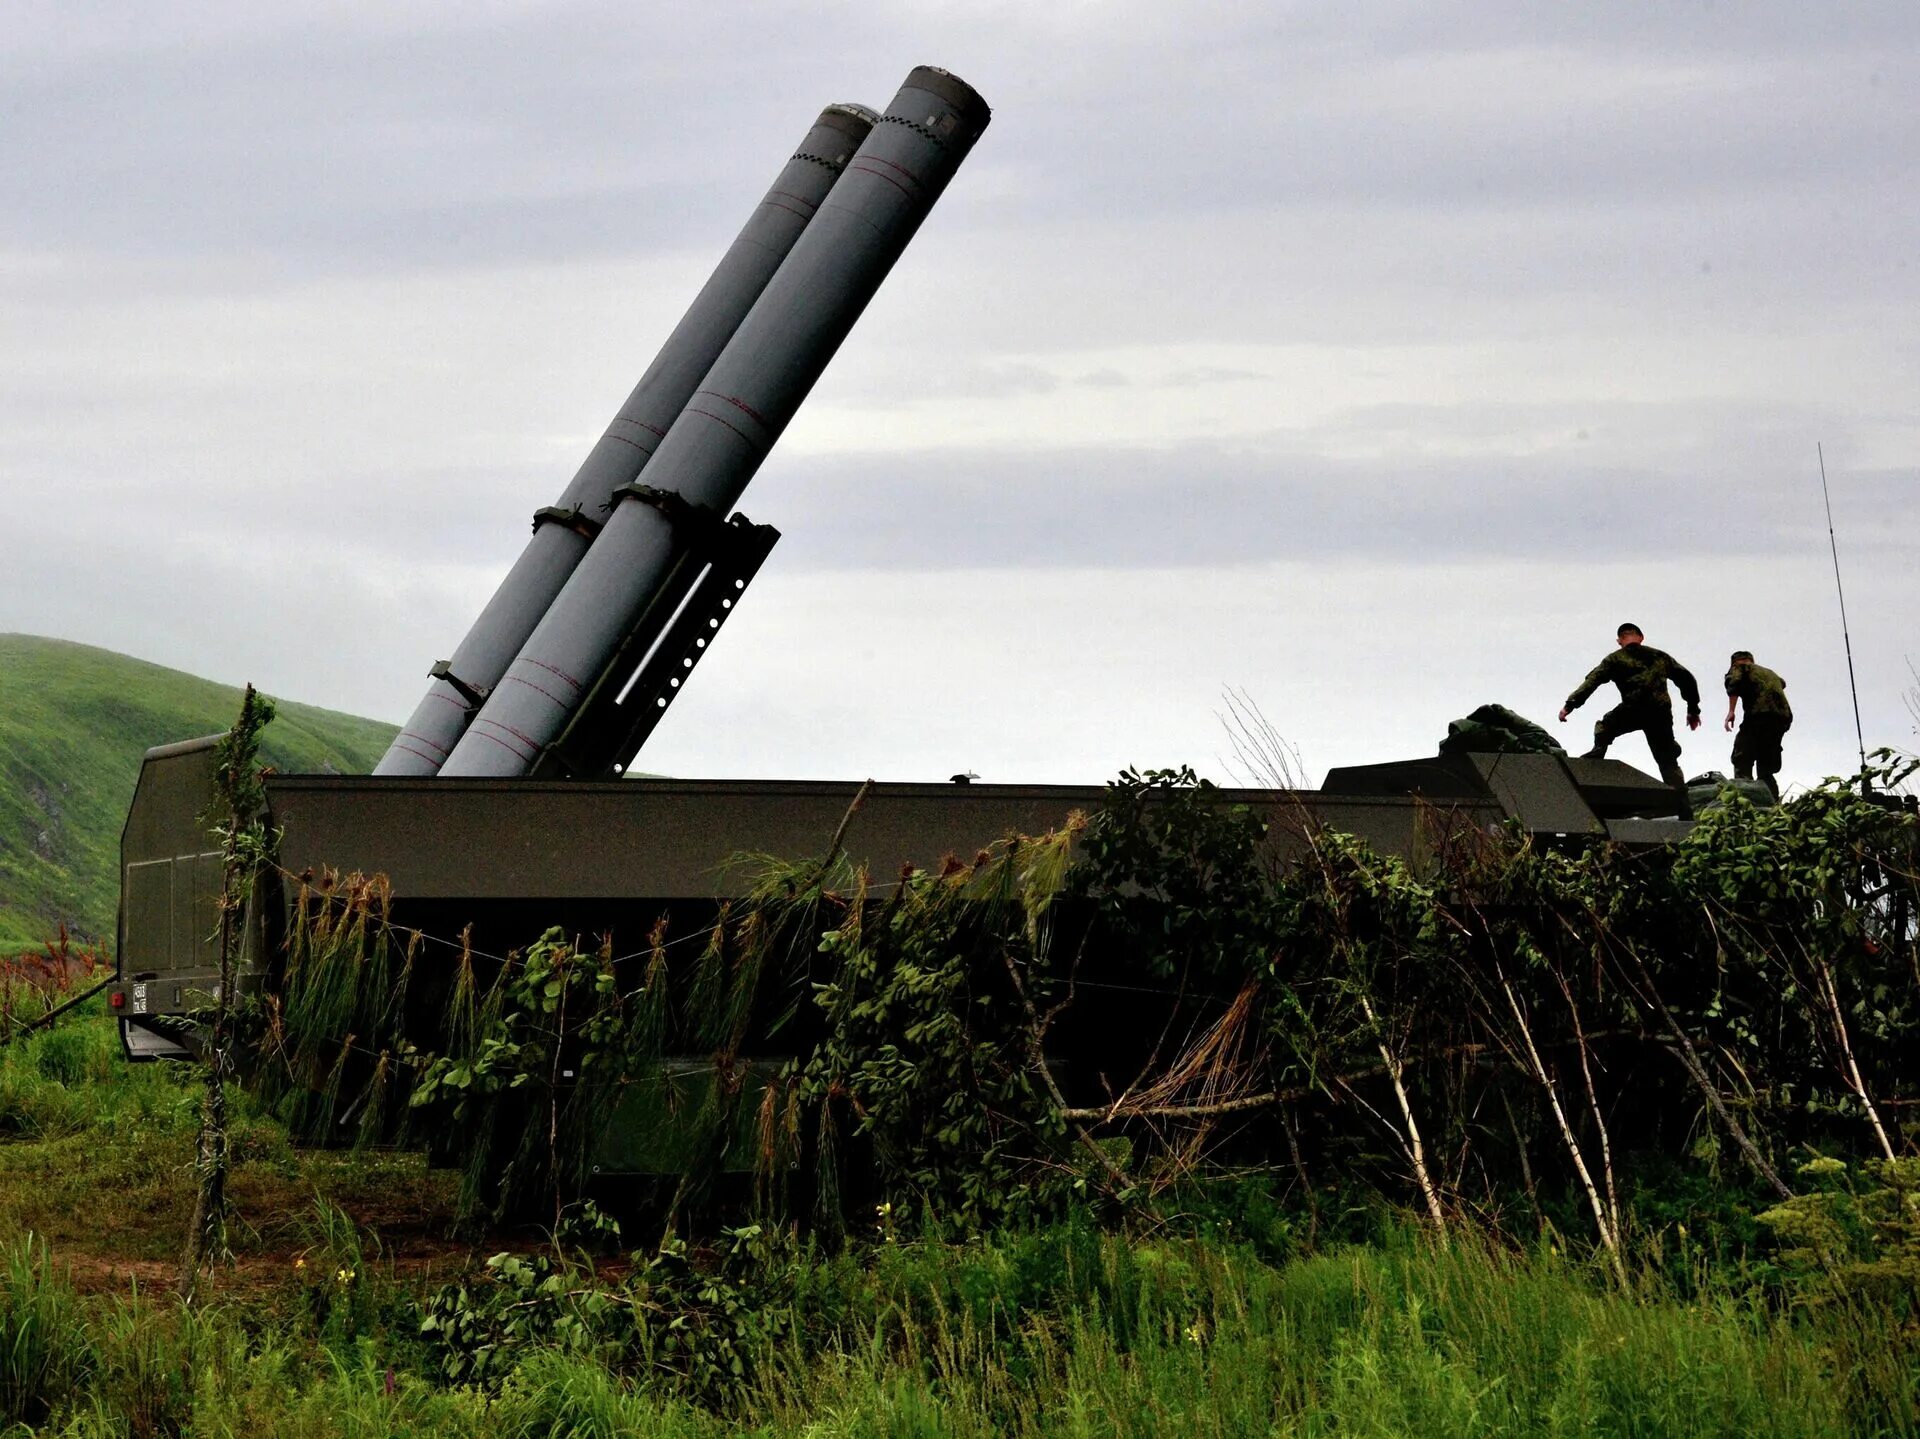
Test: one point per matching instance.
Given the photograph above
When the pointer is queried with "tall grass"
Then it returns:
(151, 1353)
(44, 1351)
(72, 1077)
(1034, 1335)
(1210, 1342)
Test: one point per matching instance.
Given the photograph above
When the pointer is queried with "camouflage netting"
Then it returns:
(1144, 998)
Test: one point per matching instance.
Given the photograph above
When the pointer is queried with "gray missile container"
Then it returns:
(717, 443)
(563, 532)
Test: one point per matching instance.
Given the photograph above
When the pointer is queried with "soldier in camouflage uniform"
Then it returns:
(1641, 672)
(1767, 719)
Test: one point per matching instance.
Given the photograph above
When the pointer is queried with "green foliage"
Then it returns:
(59, 1080)
(925, 1055)
(76, 722)
(525, 1029)
(1808, 912)
(346, 1289)
(519, 1065)
(542, 1064)
(233, 817)
(695, 1325)
(334, 1020)
(708, 1319)
(1496, 1024)
(1064, 1330)
(149, 1355)
(1365, 953)
(1180, 879)
(44, 1352)
(923, 1058)
(70, 1055)
(1854, 1236)
(1496, 999)
(482, 1328)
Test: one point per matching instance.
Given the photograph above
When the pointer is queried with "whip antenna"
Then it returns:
(1858, 734)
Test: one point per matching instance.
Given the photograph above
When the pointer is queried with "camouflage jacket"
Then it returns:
(1759, 689)
(1641, 672)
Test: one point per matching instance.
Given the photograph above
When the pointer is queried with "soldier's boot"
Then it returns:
(1743, 769)
(1600, 743)
(1771, 779)
(1670, 772)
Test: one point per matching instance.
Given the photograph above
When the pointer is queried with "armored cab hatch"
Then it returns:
(1548, 794)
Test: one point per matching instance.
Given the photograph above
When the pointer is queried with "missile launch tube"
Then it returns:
(563, 532)
(717, 443)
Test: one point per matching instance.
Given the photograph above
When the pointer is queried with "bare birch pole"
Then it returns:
(1683, 1049)
(1830, 994)
(1593, 1102)
(1601, 1219)
(1416, 1148)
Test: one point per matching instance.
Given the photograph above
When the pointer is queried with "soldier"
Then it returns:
(1641, 672)
(1767, 719)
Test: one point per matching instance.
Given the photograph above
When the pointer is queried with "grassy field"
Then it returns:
(1198, 1329)
(74, 723)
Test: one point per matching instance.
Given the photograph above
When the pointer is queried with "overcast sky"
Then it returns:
(1375, 360)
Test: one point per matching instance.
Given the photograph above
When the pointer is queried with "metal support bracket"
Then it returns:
(700, 525)
(571, 516)
(633, 692)
(474, 695)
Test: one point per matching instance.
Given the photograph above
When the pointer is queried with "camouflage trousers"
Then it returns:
(1655, 722)
(1756, 745)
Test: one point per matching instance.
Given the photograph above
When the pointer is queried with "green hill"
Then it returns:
(74, 721)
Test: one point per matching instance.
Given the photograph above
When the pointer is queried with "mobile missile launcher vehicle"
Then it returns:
(501, 808)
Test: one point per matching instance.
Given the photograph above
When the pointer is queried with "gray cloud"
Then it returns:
(1378, 320)
(438, 137)
(1122, 508)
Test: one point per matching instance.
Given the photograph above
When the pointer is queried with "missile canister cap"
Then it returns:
(972, 112)
(849, 119)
